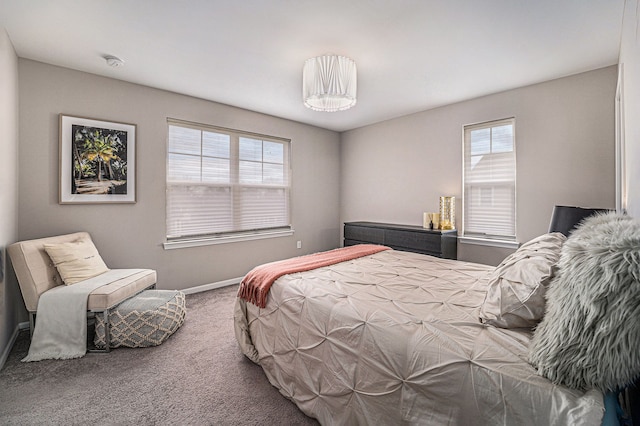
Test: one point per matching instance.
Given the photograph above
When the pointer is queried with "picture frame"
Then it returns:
(97, 161)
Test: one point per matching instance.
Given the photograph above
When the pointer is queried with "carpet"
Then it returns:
(197, 377)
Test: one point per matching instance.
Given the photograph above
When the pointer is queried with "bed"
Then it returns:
(395, 338)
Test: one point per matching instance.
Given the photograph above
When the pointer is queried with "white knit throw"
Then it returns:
(61, 321)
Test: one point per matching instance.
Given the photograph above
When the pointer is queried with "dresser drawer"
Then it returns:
(412, 240)
(364, 234)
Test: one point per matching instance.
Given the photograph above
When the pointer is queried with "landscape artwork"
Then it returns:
(99, 161)
(96, 161)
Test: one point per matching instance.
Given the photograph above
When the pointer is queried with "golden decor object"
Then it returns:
(447, 213)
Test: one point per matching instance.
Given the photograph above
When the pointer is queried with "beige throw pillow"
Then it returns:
(516, 292)
(76, 261)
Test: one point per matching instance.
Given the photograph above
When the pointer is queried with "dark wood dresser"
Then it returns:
(403, 237)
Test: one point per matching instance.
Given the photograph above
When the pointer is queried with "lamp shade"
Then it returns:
(329, 83)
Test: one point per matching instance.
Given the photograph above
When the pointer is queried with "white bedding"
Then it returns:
(394, 338)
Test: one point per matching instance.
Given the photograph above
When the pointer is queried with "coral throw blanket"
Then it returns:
(256, 284)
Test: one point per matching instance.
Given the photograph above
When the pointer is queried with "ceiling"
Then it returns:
(412, 55)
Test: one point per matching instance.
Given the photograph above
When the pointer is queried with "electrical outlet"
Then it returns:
(299, 244)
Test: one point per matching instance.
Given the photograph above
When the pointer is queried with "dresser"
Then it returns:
(416, 239)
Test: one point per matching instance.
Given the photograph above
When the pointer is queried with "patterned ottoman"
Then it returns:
(147, 319)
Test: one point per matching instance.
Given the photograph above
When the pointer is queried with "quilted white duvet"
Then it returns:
(394, 338)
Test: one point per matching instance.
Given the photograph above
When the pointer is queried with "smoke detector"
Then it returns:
(114, 61)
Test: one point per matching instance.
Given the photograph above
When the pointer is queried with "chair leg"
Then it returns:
(107, 334)
(32, 324)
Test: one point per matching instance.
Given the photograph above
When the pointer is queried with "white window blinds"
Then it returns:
(222, 181)
(490, 180)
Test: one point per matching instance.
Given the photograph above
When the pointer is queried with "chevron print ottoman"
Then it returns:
(147, 319)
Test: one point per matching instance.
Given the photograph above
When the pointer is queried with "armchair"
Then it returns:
(37, 274)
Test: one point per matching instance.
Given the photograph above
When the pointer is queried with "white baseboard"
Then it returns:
(212, 286)
(12, 341)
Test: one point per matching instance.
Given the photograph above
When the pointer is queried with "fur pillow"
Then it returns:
(515, 295)
(590, 335)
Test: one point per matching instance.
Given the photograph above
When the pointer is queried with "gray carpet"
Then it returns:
(197, 377)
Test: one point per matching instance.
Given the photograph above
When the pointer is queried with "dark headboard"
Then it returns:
(564, 218)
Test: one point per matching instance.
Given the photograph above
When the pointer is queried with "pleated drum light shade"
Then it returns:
(329, 83)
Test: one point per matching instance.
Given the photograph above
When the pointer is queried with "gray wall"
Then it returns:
(131, 235)
(630, 61)
(10, 298)
(395, 170)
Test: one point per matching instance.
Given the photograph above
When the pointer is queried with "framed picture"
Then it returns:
(97, 161)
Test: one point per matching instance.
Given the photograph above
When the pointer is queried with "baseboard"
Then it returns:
(12, 341)
(212, 286)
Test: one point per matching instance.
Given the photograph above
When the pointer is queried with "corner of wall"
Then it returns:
(10, 303)
(629, 129)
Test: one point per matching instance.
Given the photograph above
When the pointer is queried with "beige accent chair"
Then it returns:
(36, 274)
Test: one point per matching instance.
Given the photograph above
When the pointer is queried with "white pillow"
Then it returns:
(76, 261)
(516, 292)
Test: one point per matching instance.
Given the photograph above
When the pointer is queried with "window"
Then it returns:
(489, 193)
(223, 182)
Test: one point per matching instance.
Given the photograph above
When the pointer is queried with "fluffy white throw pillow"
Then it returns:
(590, 334)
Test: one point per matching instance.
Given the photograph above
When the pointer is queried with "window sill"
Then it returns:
(489, 242)
(197, 242)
